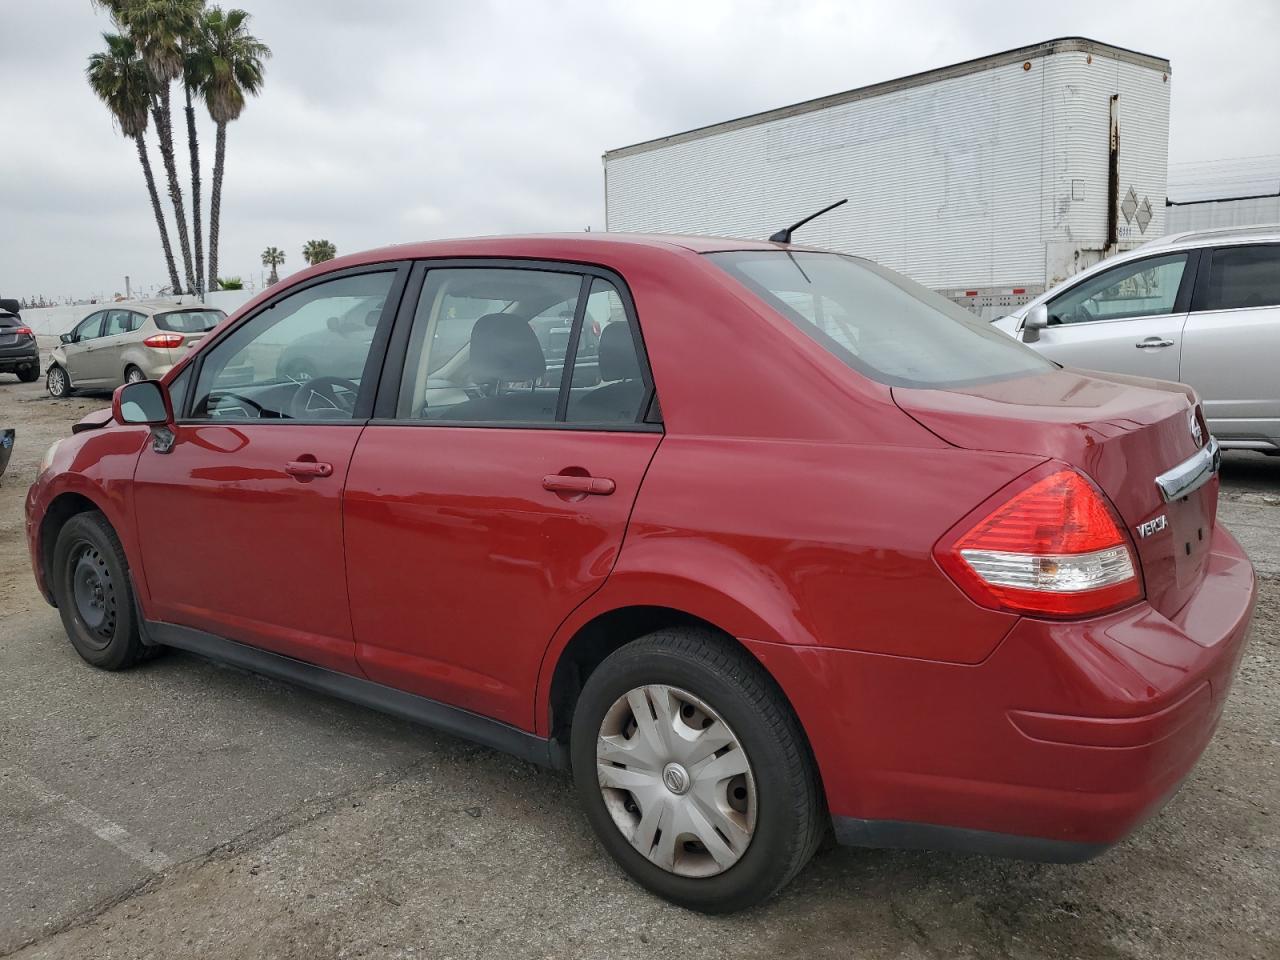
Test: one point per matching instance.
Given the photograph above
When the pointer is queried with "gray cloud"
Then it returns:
(398, 120)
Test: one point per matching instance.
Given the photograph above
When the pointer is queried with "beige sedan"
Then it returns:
(126, 343)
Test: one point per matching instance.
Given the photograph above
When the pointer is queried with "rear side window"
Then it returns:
(1242, 277)
(189, 321)
(879, 323)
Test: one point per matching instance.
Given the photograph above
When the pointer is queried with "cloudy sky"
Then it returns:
(392, 120)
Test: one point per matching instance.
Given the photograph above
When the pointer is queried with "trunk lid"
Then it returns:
(1122, 432)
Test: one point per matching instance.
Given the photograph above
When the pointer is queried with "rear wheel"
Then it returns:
(95, 599)
(133, 375)
(29, 374)
(57, 382)
(694, 772)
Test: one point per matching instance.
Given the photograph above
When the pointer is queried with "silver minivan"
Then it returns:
(1202, 308)
(126, 342)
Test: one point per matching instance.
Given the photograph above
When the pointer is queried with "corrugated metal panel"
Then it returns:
(967, 181)
(1222, 213)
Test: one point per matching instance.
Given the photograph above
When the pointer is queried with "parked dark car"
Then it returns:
(813, 551)
(19, 352)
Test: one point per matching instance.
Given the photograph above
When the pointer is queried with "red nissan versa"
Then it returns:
(792, 543)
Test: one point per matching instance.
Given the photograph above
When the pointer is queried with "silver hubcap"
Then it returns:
(135, 376)
(676, 781)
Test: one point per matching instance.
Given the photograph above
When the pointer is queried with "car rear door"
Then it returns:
(240, 518)
(1128, 319)
(1231, 344)
(488, 497)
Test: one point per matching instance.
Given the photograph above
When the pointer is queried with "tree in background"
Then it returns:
(318, 251)
(120, 79)
(160, 30)
(218, 61)
(272, 257)
(230, 283)
(228, 67)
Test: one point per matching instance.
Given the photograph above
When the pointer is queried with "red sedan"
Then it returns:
(757, 540)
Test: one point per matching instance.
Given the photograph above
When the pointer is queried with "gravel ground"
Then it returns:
(183, 809)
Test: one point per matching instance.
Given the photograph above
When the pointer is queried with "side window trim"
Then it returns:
(387, 399)
(567, 368)
(1206, 268)
(1181, 300)
(377, 347)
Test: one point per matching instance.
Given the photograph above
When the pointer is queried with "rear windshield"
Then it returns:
(879, 323)
(189, 321)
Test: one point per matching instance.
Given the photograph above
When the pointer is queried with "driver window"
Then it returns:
(301, 358)
(89, 327)
(1145, 288)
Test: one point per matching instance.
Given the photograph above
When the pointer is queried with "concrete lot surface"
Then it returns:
(183, 809)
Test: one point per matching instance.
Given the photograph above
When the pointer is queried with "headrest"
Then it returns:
(618, 360)
(505, 348)
(371, 318)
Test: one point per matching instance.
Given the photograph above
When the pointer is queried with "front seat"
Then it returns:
(619, 399)
(505, 351)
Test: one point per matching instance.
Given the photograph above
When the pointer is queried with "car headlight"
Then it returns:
(47, 460)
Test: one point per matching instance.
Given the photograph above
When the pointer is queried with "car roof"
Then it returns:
(1218, 235)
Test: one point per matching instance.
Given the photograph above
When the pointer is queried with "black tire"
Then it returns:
(89, 565)
(57, 382)
(790, 819)
(29, 374)
(130, 370)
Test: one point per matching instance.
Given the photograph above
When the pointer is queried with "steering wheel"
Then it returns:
(319, 396)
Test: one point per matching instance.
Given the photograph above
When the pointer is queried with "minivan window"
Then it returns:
(1243, 277)
(189, 321)
(881, 324)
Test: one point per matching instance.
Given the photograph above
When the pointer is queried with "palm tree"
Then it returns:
(160, 28)
(318, 251)
(122, 81)
(272, 257)
(190, 82)
(228, 66)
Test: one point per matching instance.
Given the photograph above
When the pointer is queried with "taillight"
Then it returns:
(1055, 548)
(24, 332)
(595, 329)
(169, 340)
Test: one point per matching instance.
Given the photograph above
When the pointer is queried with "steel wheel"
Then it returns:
(676, 781)
(93, 589)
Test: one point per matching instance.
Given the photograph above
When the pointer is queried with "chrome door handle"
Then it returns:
(1153, 342)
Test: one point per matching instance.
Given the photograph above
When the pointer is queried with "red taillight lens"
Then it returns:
(169, 340)
(24, 332)
(1053, 549)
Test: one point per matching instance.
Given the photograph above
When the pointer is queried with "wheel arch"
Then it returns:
(61, 509)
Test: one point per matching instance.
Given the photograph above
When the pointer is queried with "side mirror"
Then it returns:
(144, 402)
(1037, 319)
(68, 338)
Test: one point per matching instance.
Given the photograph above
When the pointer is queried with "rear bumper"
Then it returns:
(1056, 746)
(13, 359)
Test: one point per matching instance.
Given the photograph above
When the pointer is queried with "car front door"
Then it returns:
(102, 358)
(1231, 345)
(489, 495)
(77, 350)
(240, 519)
(1128, 319)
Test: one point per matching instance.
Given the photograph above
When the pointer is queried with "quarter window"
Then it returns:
(608, 385)
(1144, 288)
(1243, 277)
(303, 357)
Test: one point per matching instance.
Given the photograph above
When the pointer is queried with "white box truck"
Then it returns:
(987, 180)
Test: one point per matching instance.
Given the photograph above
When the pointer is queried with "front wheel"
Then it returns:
(57, 382)
(95, 599)
(694, 772)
